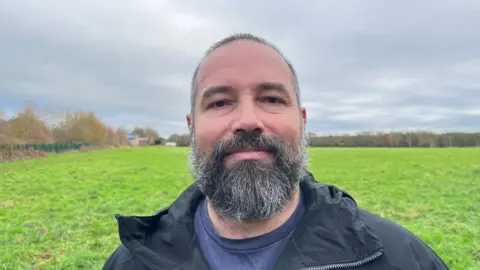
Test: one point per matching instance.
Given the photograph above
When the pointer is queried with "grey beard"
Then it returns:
(250, 190)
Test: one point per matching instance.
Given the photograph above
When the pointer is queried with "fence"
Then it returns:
(54, 147)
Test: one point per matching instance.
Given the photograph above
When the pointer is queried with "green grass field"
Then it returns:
(57, 213)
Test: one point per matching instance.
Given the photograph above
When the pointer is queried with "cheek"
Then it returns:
(207, 134)
(286, 128)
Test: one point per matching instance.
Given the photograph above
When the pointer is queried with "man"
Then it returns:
(253, 204)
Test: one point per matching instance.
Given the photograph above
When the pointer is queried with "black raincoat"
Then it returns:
(333, 234)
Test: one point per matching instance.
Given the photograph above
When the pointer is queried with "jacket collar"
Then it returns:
(331, 231)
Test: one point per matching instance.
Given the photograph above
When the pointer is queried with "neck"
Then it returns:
(229, 228)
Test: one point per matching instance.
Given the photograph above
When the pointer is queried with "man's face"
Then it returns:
(249, 148)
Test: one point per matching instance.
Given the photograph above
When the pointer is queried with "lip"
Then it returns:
(256, 153)
(246, 150)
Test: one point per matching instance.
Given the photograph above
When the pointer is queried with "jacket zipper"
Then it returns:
(358, 263)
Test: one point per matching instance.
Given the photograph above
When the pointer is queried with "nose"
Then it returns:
(247, 119)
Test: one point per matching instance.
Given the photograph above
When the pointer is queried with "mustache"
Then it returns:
(245, 140)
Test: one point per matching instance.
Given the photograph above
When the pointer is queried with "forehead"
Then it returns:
(243, 62)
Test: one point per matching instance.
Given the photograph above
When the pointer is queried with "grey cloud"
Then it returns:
(362, 66)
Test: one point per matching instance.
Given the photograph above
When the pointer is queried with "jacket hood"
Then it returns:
(331, 222)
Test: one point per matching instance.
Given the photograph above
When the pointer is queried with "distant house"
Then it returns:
(172, 144)
(142, 141)
(137, 140)
(132, 138)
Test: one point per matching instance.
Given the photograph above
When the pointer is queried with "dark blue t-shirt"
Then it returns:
(259, 253)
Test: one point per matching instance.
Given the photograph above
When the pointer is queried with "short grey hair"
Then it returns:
(229, 39)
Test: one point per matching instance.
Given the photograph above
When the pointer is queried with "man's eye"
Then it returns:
(272, 100)
(218, 104)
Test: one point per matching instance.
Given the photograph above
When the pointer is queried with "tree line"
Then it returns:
(32, 126)
(397, 139)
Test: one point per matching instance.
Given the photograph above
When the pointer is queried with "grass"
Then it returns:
(57, 213)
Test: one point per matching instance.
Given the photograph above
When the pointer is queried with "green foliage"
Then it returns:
(57, 212)
(53, 147)
(397, 139)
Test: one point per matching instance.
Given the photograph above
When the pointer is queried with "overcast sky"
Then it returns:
(362, 65)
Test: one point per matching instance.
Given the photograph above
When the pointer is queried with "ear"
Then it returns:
(304, 116)
(189, 121)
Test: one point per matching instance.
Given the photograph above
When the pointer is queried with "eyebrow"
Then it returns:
(218, 89)
(269, 86)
